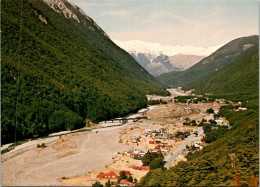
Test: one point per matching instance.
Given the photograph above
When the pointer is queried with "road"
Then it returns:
(171, 157)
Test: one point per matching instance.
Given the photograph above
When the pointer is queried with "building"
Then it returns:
(219, 121)
(242, 108)
(126, 183)
(109, 175)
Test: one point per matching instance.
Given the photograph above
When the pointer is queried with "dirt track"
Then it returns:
(72, 155)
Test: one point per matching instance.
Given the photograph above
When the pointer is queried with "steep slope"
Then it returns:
(217, 60)
(141, 59)
(185, 61)
(154, 64)
(60, 70)
(231, 160)
(232, 157)
(239, 77)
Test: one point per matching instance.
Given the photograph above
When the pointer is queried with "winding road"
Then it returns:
(171, 157)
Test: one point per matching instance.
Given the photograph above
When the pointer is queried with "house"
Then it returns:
(165, 150)
(126, 172)
(155, 151)
(147, 168)
(151, 142)
(220, 100)
(109, 175)
(134, 155)
(128, 153)
(162, 137)
(148, 134)
(141, 151)
(172, 139)
(219, 121)
(185, 152)
(213, 106)
(126, 183)
(242, 108)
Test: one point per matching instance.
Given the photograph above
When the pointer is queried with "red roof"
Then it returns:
(100, 175)
(127, 183)
(109, 175)
(213, 106)
(134, 154)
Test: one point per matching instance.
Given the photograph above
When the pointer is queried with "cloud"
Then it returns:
(158, 16)
(170, 50)
(187, 21)
(118, 13)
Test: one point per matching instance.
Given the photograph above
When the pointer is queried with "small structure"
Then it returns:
(219, 121)
(155, 151)
(165, 150)
(242, 108)
(185, 152)
(109, 175)
(126, 183)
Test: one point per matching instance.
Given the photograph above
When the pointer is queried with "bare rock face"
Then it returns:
(60, 6)
(247, 46)
(41, 18)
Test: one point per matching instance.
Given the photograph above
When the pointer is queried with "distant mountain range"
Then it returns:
(230, 52)
(158, 59)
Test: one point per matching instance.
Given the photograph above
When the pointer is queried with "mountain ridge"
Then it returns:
(217, 60)
(59, 74)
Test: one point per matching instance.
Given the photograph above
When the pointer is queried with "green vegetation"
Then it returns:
(59, 75)
(97, 184)
(216, 61)
(41, 145)
(156, 102)
(233, 153)
(232, 156)
(237, 81)
(213, 134)
(123, 176)
(182, 135)
(154, 160)
(190, 99)
(210, 111)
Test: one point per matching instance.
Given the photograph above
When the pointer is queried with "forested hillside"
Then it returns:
(232, 160)
(233, 50)
(232, 157)
(238, 78)
(60, 72)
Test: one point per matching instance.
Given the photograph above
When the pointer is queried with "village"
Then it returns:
(113, 151)
(161, 129)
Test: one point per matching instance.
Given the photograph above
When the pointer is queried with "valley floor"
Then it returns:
(76, 159)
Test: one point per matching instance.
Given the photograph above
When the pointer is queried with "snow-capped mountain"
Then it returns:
(159, 59)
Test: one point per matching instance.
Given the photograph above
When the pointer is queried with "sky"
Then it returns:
(175, 22)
